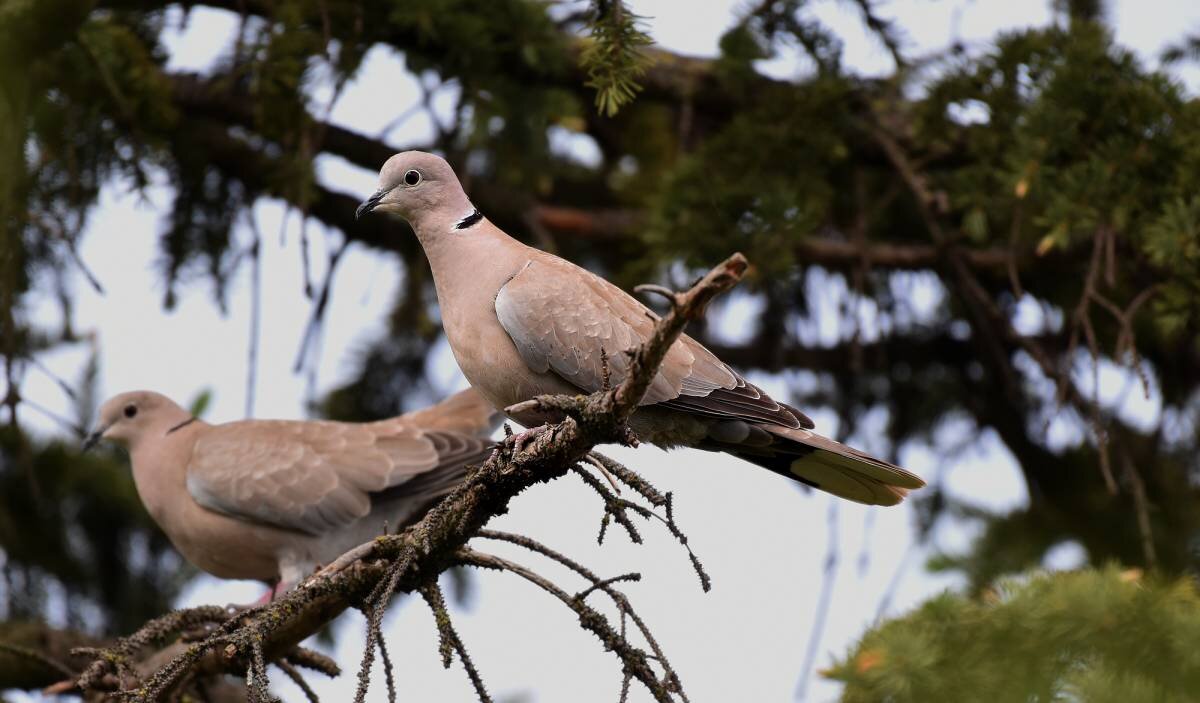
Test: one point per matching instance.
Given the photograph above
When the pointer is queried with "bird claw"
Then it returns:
(521, 439)
(276, 590)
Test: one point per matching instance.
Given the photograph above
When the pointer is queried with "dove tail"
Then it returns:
(466, 412)
(829, 466)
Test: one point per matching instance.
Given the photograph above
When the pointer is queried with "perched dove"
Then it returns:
(272, 499)
(522, 322)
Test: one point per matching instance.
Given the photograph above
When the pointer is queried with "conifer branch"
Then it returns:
(246, 641)
(614, 60)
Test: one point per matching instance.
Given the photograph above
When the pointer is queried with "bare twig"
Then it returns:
(630, 479)
(614, 507)
(309, 659)
(824, 602)
(1142, 507)
(298, 679)
(448, 638)
(315, 321)
(378, 601)
(257, 682)
(603, 472)
(623, 605)
(32, 655)
(636, 661)
(116, 658)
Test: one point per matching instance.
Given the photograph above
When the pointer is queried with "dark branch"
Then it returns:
(369, 574)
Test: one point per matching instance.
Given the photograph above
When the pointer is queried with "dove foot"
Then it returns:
(277, 589)
(521, 439)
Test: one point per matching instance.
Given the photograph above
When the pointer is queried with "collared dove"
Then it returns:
(272, 499)
(522, 322)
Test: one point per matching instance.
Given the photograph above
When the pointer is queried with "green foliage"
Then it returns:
(200, 403)
(1075, 137)
(787, 23)
(736, 193)
(1092, 635)
(613, 59)
(1173, 243)
(478, 43)
(77, 541)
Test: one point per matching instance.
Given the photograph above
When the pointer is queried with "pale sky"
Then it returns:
(763, 541)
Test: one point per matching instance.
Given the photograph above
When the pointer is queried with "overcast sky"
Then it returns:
(763, 541)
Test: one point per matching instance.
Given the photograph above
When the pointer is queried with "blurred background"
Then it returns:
(975, 235)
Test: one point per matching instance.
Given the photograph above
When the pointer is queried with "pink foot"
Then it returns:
(521, 439)
(276, 590)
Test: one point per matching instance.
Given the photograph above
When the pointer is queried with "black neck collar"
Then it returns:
(469, 220)
(181, 425)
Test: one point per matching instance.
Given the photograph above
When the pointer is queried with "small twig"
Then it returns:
(824, 601)
(59, 381)
(605, 371)
(448, 638)
(613, 506)
(59, 231)
(309, 659)
(684, 308)
(1142, 507)
(603, 472)
(601, 585)
(298, 679)
(1014, 237)
(635, 660)
(1126, 337)
(671, 296)
(630, 479)
(705, 580)
(257, 683)
(885, 30)
(389, 675)
(378, 601)
(113, 659)
(623, 604)
(38, 657)
(255, 314)
(66, 424)
(315, 321)
(362, 552)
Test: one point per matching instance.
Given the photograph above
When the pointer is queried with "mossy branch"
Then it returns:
(244, 642)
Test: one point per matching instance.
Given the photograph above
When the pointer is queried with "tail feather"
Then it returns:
(829, 466)
(851, 459)
(465, 411)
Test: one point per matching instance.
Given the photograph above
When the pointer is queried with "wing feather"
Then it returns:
(560, 316)
(314, 477)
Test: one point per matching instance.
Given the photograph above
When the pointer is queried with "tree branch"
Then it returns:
(412, 559)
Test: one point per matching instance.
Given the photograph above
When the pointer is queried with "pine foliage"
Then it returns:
(1093, 635)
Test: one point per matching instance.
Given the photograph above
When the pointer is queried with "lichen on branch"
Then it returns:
(213, 641)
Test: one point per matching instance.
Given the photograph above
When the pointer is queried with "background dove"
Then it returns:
(522, 322)
(272, 499)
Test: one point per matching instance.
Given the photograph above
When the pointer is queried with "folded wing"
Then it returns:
(314, 477)
(561, 316)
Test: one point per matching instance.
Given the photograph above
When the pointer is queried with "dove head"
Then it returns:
(129, 417)
(422, 189)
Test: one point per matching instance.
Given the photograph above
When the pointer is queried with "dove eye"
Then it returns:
(130, 410)
(412, 177)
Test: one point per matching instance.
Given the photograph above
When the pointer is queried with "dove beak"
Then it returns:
(92, 439)
(370, 203)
